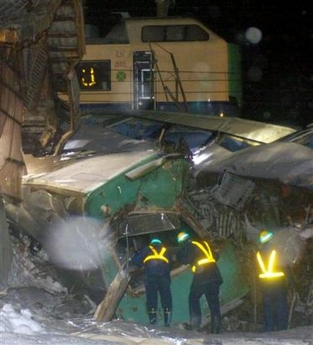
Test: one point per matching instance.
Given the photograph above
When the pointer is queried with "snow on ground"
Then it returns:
(21, 327)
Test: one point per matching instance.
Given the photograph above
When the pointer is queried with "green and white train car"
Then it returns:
(164, 64)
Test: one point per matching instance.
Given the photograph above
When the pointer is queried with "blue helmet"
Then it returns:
(156, 241)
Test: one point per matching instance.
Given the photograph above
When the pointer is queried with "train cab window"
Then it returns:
(117, 35)
(196, 33)
(95, 75)
(173, 33)
(153, 33)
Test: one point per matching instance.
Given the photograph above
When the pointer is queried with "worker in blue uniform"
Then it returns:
(274, 277)
(206, 280)
(157, 261)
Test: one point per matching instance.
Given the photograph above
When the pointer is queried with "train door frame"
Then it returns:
(143, 80)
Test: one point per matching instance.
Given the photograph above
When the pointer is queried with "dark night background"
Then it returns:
(277, 72)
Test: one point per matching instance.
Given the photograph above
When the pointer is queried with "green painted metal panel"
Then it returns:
(132, 306)
(235, 72)
(153, 184)
(158, 188)
(235, 285)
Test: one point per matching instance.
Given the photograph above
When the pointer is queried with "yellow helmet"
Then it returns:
(265, 236)
(182, 237)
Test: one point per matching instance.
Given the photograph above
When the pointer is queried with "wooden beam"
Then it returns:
(106, 309)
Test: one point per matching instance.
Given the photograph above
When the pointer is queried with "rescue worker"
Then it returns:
(157, 262)
(206, 280)
(273, 278)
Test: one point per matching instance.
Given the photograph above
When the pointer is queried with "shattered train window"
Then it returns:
(194, 138)
(234, 144)
(138, 129)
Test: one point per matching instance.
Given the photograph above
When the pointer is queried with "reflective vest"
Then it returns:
(269, 271)
(156, 256)
(206, 251)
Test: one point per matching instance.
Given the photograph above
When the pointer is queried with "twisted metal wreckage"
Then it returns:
(129, 196)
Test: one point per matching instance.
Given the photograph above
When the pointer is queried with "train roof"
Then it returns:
(170, 20)
(129, 29)
(84, 176)
(259, 132)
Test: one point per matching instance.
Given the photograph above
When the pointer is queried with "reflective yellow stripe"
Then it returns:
(206, 251)
(268, 273)
(156, 255)
(271, 275)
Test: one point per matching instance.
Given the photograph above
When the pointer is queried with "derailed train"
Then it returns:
(134, 191)
(133, 196)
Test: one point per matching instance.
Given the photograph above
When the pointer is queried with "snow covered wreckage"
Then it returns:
(108, 202)
(277, 177)
(270, 186)
(100, 200)
(131, 196)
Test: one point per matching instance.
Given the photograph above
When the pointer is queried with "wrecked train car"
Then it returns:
(269, 186)
(139, 200)
(269, 183)
(200, 139)
(133, 196)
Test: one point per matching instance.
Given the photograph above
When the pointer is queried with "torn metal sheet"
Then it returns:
(233, 190)
(287, 162)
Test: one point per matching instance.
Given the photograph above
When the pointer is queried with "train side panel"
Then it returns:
(163, 67)
(116, 88)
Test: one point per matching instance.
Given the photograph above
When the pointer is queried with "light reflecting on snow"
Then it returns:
(12, 321)
(20, 328)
